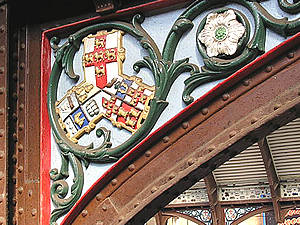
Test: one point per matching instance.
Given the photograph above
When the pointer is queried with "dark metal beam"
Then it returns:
(212, 191)
(272, 178)
(3, 111)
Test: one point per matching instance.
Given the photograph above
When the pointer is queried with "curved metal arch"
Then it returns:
(214, 129)
(173, 214)
(253, 213)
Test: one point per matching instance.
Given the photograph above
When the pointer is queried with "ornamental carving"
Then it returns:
(221, 33)
(125, 101)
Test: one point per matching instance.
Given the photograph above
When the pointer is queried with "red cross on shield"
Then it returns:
(100, 51)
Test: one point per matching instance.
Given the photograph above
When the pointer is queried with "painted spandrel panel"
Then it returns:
(114, 83)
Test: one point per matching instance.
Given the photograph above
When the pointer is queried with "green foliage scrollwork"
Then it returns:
(165, 71)
(164, 75)
(216, 68)
(289, 7)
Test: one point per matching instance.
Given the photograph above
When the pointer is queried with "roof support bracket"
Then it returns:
(212, 191)
(272, 178)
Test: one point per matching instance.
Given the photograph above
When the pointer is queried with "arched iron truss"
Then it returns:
(221, 59)
(243, 109)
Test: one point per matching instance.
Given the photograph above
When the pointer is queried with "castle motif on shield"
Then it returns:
(105, 93)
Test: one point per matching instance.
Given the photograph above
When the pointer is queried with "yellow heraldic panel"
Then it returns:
(105, 93)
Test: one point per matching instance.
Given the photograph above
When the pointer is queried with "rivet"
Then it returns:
(14, 117)
(291, 55)
(21, 107)
(14, 201)
(2, 49)
(15, 137)
(166, 139)
(1, 198)
(211, 148)
(2, 29)
(148, 154)
(104, 208)
(2, 154)
(20, 190)
(253, 120)
(33, 212)
(246, 82)
(269, 69)
(20, 147)
(22, 46)
(98, 197)
(22, 66)
(1, 90)
(22, 86)
(232, 134)
(185, 125)
(225, 97)
(2, 220)
(190, 162)
(20, 169)
(277, 106)
(21, 126)
(172, 176)
(14, 159)
(99, 223)
(1, 112)
(204, 111)
(1, 132)
(84, 213)
(30, 193)
(21, 210)
(136, 205)
(1, 175)
(114, 182)
(15, 76)
(131, 167)
(154, 189)
(15, 96)
(1, 70)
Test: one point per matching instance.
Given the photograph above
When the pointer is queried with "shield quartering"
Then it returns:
(105, 93)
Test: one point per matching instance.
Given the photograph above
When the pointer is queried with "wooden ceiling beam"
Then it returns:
(273, 179)
(212, 191)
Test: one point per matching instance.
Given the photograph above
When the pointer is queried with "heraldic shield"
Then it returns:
(105, 93)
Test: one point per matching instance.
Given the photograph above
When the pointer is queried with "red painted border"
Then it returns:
(45, 137)
(156, 135)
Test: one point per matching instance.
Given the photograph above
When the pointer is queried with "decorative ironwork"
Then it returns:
(290, 190)
(165, 71)
(244, 193)
(233, 214)
(192, 196)
(203, 215)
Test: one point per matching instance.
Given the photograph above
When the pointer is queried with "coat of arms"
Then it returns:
(105, 93)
